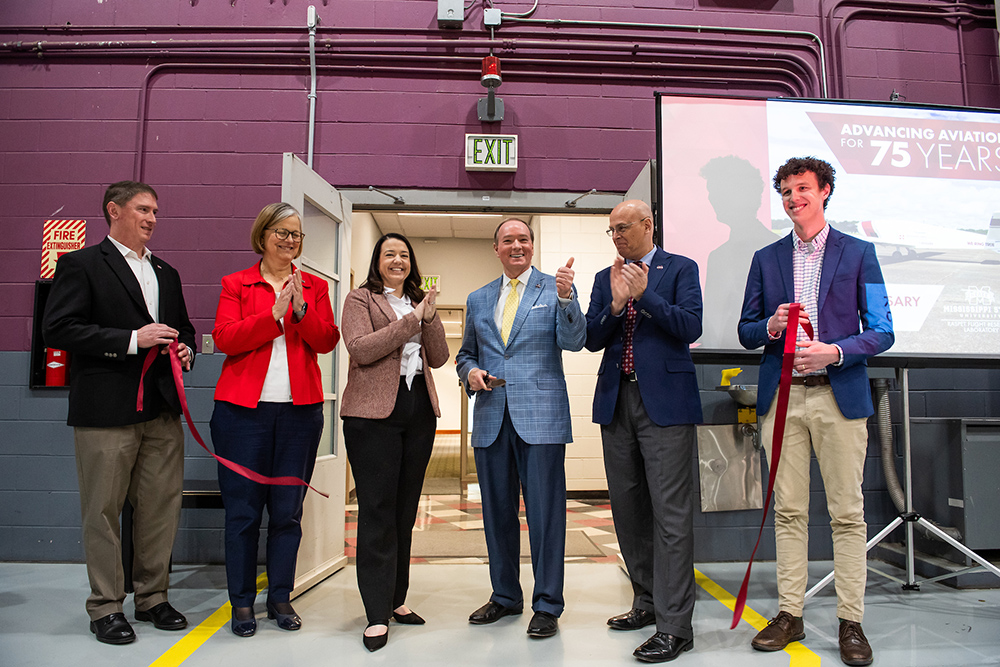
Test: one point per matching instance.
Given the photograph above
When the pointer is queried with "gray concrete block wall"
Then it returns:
(39, 501)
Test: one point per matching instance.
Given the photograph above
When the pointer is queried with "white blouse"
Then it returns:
(411, 363)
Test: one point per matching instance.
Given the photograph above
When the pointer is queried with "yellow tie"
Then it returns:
(509, 311)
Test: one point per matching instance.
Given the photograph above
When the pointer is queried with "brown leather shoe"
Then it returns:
(854, 646)
(780, 630)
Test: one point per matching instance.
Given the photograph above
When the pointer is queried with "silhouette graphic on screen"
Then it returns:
(735, 188)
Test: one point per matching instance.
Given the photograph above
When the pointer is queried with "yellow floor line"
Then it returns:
(193, 640)
(799, 654)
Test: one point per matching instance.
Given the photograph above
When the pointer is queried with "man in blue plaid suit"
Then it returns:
(516, 328)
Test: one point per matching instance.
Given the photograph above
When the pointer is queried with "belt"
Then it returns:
(628, 377)
(811, 380)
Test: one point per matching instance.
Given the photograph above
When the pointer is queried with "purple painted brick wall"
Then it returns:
(68, 124)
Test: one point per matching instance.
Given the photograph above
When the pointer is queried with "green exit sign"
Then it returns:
(491, 152)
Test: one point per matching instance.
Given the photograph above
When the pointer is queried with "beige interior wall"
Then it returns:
(464, 265)
(585, 239)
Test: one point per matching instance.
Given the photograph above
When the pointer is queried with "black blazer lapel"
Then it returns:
(119, 267)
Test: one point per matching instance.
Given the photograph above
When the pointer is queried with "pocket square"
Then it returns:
(541, 305)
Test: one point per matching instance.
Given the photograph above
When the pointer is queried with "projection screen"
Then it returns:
(920, 183)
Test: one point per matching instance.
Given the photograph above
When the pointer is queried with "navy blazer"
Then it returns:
(668, 320)
(93, 307)
(853, 313)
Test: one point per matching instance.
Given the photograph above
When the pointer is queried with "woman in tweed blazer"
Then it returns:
(390, 410)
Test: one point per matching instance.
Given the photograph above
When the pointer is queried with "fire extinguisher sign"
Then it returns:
(58, 238)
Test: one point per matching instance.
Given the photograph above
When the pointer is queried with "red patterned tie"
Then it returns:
(628, 360)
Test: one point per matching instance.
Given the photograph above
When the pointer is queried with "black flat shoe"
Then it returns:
(663, 647)
(632, 620)
(543, 624)
(491, 612)
(113, 629)
(408, 619)
(378, 641)
(245, 627)
(163, 617)
(286, 617)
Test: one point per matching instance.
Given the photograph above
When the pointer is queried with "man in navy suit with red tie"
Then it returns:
(645, 311)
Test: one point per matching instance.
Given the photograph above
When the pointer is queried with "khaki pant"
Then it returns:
(144, 462)
(840, 445)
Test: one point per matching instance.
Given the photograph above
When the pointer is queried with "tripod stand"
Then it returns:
(909, 517)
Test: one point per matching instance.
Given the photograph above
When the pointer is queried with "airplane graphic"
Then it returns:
(908, 238)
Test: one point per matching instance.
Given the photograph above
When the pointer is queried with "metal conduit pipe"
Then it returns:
(368, 70)
(803, 67)
(599, 43)
(841, 37)
(785, 77)
(883, 419)
(802, 34)
(797, 71)
(311, 24)
(879, 8)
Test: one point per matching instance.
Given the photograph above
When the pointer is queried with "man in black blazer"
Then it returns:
(109, 305)
(645, 314)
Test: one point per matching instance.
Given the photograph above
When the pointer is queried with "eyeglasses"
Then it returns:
(283, 234)
(621, 229)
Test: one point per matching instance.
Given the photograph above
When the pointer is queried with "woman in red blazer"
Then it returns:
(272, 321)
(390, 410)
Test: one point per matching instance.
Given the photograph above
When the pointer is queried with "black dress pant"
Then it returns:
(389, 457)
(652, 492)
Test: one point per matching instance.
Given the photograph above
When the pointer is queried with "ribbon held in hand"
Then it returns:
(781, 411)
(175, 367)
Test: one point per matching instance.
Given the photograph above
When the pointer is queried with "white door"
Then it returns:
(326, 222)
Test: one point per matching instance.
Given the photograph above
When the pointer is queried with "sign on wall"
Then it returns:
(491, 152)
(431, 281)
(58, 238)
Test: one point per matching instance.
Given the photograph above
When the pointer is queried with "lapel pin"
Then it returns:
(659, 266)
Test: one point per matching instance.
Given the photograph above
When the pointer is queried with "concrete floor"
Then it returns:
(43, 622)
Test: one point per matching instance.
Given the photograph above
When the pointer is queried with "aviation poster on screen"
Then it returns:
(920, 183)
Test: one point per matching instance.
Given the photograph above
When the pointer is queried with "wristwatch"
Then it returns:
(299, 314)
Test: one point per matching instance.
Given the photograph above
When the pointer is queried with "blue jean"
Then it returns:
(273, 439)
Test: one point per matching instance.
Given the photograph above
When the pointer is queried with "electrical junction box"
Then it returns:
(451, 14)
(491, 17)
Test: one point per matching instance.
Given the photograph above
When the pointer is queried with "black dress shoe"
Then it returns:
(378, 641)
(244, 623)
(284, 614)
(543, 624)
(408, 619)
(662, 647)
(163, 616)
(491, 612)
(113, 629)
(632, 620)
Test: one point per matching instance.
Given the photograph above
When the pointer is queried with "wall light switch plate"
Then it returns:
(207, 344)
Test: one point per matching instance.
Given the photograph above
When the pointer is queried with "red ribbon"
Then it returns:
(175, 367)
(781, 411)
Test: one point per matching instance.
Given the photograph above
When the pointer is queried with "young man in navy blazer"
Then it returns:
(838, 282)
(645, 311)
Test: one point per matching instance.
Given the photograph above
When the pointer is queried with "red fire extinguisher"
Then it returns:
(56, 362)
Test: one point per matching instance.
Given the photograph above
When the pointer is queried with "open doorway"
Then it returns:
(455, 248)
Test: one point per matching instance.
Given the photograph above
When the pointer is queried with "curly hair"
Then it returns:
(825, 173)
